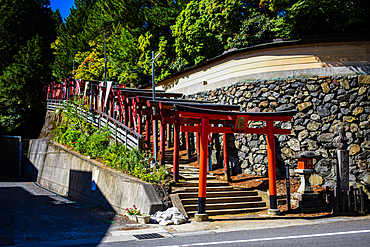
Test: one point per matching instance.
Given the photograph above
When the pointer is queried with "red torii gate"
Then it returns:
(240, 120)
(166, 116)
(145, 104)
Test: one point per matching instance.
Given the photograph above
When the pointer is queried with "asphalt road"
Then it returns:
(33, 216)
(336, 233)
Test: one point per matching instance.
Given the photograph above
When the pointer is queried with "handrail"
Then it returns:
(121, 131)
(118, 123)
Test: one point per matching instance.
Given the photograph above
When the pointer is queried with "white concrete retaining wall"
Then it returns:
(64, 171)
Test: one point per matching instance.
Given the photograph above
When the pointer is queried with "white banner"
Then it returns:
(100, 93)
(78, 87)
(86, 84)
(109, 85)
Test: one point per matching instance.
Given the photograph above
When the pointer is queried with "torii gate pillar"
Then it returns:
(203, 167)
(271, 167)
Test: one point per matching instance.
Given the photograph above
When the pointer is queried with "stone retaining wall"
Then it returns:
(323, 103)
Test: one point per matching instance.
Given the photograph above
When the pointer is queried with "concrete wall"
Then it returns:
(266, 62)
(64, 171)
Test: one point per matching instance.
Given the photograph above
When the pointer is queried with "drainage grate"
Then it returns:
(148, 236)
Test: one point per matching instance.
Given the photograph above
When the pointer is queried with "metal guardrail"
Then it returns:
(120, 132)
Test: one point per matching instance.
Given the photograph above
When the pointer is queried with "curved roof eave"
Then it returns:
(274, 44)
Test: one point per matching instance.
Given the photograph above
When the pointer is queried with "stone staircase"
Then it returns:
(221, 197)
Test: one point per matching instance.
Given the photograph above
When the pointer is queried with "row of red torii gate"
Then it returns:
(140, 108)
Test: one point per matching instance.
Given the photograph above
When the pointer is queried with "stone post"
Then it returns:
(343, 161)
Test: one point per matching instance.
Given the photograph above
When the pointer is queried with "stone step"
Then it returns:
(229, 211)
(214, 194)
(188, 201)
(209, 189)
(181, 161)
(190, 173)
(184, 168)
(188, 168)
(222, 206)
(210, 183)
(194, 176)
(221, 197)
(281, 201)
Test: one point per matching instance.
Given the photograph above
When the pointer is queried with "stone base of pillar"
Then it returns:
(200, 217)
(273, 212)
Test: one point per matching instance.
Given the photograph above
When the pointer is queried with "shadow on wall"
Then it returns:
(83, 187)
(9, 157)
(28, 171)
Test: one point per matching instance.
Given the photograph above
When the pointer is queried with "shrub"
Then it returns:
(74, 132)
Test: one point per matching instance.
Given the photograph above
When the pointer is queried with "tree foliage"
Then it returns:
(126, 32)
(187, 32)
(298, 18)
(71, 38)
(133, 29)
(26, 30)
(252, 31)
(203, 27)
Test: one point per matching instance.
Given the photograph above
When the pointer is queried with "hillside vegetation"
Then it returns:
(37, 46)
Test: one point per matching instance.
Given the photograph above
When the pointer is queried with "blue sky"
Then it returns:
(63, 6)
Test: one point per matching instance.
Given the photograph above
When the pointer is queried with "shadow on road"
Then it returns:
(30, 214)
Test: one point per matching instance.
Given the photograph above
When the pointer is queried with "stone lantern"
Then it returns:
(305, 169)
(305, 199)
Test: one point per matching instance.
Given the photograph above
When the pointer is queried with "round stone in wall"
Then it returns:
(294, 144)
(354, 149)
(302, 135)
(323, 111)
(327, 137)
(313, 126)
(357, 111)
(315, 117)
(305, 106)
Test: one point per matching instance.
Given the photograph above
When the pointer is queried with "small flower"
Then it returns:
(74, 142)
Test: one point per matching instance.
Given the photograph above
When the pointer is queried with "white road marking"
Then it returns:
(269, 239)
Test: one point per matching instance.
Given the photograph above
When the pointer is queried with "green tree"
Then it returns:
(253, 31)
(72, 38)
(21, 86)
(312, 17)
(20, 21)
(133, 30)
(26, 31)
(203, 27)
